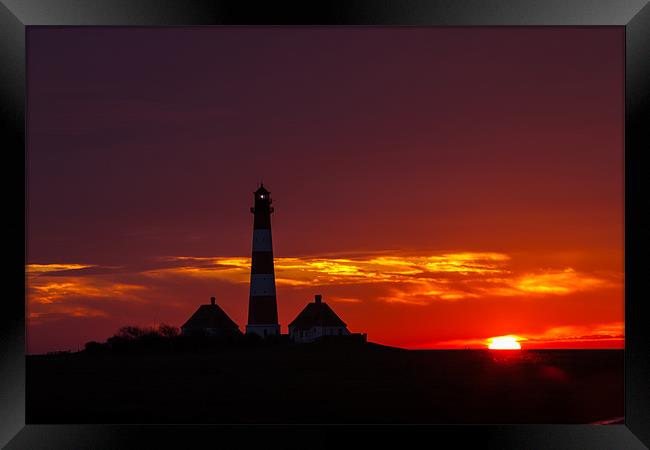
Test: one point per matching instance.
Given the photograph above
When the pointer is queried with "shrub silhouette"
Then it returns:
(94, 347)
(130, 333)
(168, 331)
(166, 338)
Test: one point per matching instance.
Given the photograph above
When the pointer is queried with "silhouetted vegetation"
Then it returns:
(93, 347)
(167, 338)
(168, 331)
(60, 352)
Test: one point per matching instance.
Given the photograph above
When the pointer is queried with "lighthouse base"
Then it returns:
(264, 330)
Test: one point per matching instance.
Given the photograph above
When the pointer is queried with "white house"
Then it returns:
(315, 321)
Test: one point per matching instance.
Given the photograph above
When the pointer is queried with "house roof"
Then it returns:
(209, 316)
(316, 314)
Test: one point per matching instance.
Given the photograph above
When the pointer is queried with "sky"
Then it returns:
(438, 186)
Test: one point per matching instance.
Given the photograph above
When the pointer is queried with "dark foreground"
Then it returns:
(327, 384)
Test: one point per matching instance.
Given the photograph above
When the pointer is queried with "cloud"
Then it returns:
(49, 268)
(345, 299)
(47, 291)
(351, 270)
(407, 279)
(573, 333)
(558, 282)
(168, 288)
(52, 293)
(64, 311)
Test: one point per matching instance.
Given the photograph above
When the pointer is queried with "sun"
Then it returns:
(504, 343)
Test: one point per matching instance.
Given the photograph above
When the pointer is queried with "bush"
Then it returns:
(94, 347)
(130, 333)
(168, 331)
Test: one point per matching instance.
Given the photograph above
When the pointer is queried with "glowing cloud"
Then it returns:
(56, 290)
(557, 282)
(448, 276)
(614, 331)
(46, 291)
(316, 271)
(45, 268)
(407, 279)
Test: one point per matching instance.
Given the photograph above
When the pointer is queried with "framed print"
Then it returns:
(278, 223)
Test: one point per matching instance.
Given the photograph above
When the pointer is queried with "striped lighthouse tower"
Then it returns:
(262, 304)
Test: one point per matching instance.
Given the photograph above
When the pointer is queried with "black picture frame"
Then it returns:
(633, 15)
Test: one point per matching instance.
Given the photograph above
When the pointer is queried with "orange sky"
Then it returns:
(442, 300)
(437, 186)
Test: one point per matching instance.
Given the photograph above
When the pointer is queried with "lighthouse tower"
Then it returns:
(262, 304)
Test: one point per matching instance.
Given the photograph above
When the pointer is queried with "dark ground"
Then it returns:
(327, 384)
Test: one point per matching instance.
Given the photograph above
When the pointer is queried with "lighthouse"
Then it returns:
(262, 303)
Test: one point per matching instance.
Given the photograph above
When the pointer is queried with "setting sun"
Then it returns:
(504, 343)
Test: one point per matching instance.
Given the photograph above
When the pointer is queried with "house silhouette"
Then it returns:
(316, 320)
(210, 320)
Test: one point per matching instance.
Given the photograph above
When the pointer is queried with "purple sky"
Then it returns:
(148, 143)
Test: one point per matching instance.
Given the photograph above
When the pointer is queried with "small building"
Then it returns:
(210, 320)
(317, 320)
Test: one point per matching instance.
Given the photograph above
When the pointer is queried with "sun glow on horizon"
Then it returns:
(509, 342)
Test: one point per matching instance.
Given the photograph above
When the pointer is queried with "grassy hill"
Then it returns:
(325, 383)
